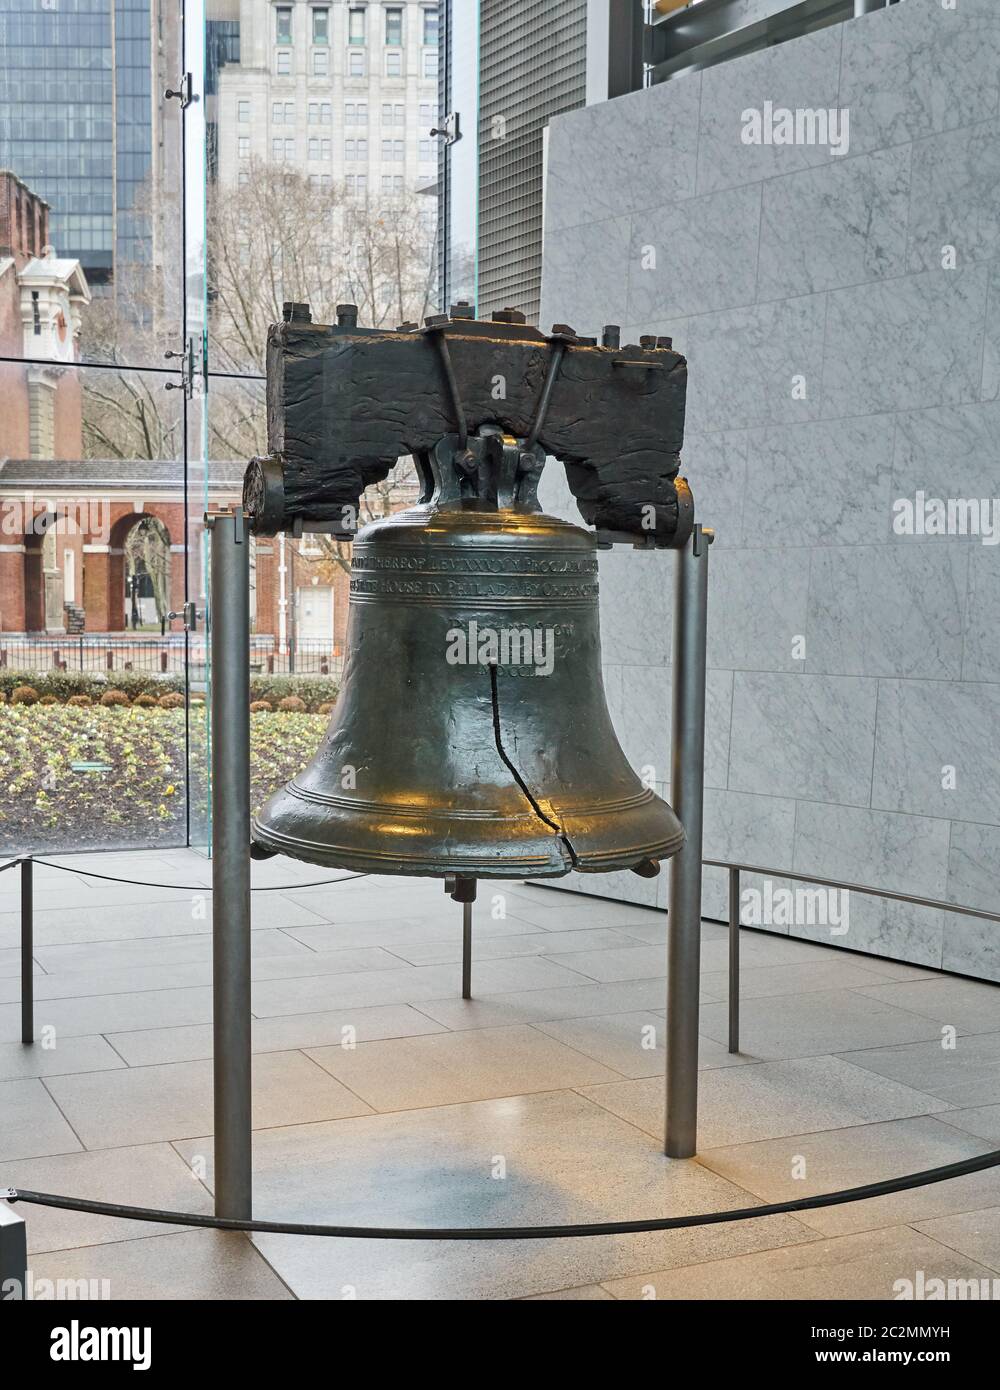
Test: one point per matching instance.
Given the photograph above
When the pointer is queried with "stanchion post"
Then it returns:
(466, 950)
(13, 1255)
(687, 780)
(27, 950)
(734, 960)
(229, 615)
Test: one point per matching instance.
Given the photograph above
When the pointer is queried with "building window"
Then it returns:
(355, 25)
(314, 113)
(313, 148)
(355, 150)
(283, 64)
(325, 113)
(242, 111)
(393, 63)
(394, 28)
(428, 113)
(321, 25)
(321, 62)
(283, 150)
(430, 62)
(277, 112)
(432, 28)
(283, 23)
(426, 155)
(277, 149)
(244, 178)
(355, 63)
(393, 113)
(244, 146)
(356, 113)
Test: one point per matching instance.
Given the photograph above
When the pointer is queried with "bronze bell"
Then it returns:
(472, 735)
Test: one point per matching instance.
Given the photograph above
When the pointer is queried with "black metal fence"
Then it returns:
(168, 656)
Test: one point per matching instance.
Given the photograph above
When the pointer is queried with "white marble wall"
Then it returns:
(784, 262)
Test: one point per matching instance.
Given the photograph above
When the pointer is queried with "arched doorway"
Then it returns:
(146, 554)
(139, 557)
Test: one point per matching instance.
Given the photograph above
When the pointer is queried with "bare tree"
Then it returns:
(277, 236)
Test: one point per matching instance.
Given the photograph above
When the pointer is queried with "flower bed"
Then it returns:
(78, 776)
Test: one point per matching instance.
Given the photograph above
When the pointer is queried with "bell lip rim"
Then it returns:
(524, 867)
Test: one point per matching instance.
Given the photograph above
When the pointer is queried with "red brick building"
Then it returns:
(41, 301)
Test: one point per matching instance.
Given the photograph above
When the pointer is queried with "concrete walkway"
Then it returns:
(382, 1098)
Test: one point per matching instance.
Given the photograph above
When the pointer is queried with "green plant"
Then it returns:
(81, 701)
(291, 704)
(174, 700)
(261, 706)
(327, 707)
(144, 701)
(49, 700)
(114, 697)
(24, 695)
(313, 690)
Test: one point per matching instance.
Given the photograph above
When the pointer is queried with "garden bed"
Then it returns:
(77, 777)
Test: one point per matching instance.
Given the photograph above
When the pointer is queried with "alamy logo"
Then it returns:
(929, 1288)
(76, 1343)
(947, 516)
(779, 125)
(796, 907)
(504, 646)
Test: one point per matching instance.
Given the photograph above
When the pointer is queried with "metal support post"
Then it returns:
(463, 890)
(734, 960)
(27, 951)
(466, 950)
(687, 791)
(13, 1255)
(229, 616)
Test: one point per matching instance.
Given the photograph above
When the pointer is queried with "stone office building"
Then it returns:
(346, 93)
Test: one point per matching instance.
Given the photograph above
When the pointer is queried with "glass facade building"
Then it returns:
(76, 121)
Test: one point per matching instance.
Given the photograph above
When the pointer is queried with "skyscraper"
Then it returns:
(76, 121)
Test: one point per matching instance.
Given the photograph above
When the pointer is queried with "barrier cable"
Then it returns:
(599, 1228)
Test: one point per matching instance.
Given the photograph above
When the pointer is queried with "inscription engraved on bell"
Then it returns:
(471, 737)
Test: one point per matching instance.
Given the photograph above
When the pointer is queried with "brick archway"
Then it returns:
(104, 566)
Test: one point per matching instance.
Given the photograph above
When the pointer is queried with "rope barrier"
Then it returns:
(181, 887)
(600, 1228)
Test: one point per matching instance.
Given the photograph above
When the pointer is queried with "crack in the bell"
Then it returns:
(533, 802)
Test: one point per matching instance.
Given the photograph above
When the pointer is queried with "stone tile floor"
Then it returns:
(381, 1098)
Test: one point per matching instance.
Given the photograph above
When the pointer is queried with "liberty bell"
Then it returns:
(471, 738)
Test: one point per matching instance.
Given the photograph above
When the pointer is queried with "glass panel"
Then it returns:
(92, 564)
(394, 27)
(314, 211)
(356, 25)
(93, 508)
(458, 163)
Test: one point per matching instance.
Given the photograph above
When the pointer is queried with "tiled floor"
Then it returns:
(380, 1098)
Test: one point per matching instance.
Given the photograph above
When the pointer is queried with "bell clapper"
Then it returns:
(463, 890)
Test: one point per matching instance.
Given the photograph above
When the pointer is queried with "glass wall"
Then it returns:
(95, 514)
(147, 242)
